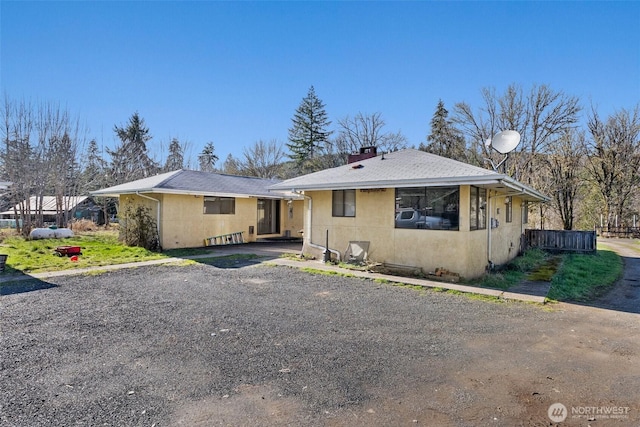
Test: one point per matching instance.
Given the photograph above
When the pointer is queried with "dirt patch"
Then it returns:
(247, 405)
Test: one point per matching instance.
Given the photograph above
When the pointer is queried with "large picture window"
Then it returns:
(477, 215)
(430, 208)
(220, 205)
(344, 203)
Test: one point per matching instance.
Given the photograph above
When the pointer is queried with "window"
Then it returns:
(344, 203)
(431, 208)
(478, 217)
(219, 205)
(525, 213)
(508, 209)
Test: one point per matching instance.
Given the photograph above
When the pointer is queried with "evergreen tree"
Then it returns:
(444, 140)
(232, 166)
(175, 159)
(309, 134)
(207, 158)
(94, 176)
(94, 169)
(130, 160)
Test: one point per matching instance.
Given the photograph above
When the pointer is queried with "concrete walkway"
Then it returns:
(272, 255)
(318, 265)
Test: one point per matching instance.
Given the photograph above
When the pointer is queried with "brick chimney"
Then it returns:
(365, 153)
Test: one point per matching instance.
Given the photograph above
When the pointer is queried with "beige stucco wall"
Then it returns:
(505, 239)
(463, 251)
(183, 223)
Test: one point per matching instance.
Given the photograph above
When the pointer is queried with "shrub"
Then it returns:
(80, 225)
(138, 228)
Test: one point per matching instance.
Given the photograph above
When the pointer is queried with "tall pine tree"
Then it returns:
(175, 159)
(130, 160)
(444, 140)
(207, 158)
(309, 133)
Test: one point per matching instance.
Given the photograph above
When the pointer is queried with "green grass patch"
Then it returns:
(584, 277)
(98, 249)
(514, 272)
(502, 280)
(326, 272)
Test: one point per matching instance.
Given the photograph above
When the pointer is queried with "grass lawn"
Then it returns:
(583, 277)
(573, 277)
(98, 248)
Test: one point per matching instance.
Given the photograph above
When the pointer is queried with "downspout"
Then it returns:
(157, 213)
(309, 226)
(489, 226)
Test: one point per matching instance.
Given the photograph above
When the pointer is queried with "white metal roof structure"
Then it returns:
(49, 204)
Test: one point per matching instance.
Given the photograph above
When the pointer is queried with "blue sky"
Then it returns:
(234, 72)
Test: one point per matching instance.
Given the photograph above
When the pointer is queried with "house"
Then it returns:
(415, 210)
(192, 206)
(72, 207)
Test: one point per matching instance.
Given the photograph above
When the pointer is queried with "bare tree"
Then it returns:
(40, 157)
(367, 130)
(540, 117)
(263, 159)
(562, 174)
(17, 127)
(59, 136)
(613, 154)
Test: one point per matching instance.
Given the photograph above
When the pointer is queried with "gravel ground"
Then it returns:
(239, 345)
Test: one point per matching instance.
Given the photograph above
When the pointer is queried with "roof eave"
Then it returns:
(476, 180)
(185, 193)
(497, 180)
(525, 190)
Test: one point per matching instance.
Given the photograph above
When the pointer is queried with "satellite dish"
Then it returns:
(506, 141)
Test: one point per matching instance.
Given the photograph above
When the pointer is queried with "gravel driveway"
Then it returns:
(625, 296)
(260, 345)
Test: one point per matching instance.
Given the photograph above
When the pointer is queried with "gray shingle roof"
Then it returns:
(405, 168)
(195, 182)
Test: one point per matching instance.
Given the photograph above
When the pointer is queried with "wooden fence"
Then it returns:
(623, 232)
(561, 240)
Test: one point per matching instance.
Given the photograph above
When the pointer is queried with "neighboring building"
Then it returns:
(73, 207)
(415, 210)
(191, 206)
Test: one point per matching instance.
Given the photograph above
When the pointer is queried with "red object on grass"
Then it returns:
(68, 250)
(74, 258)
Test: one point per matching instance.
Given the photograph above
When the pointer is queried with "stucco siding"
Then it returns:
(183, 223)
(292, 217)
(505, 239)
(463, 251)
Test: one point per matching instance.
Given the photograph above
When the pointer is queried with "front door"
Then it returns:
(268, 216)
